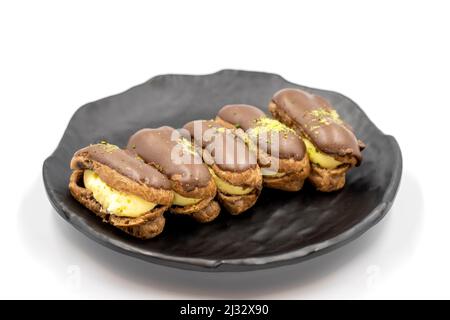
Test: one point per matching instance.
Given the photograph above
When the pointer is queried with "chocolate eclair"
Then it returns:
(331, 144)
(231, 163)
(174, 156)
(120, 188)
(281, 153)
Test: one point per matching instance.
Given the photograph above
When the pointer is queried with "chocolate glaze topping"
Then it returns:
(250, 118)
(228, 151)
(319, 122)
(241, 115)
(125, 163)
(173, 155)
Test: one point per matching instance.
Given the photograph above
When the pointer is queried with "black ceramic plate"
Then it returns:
(282, 228)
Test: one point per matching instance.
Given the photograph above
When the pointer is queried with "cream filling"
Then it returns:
(179, 200)
(320, 158)
(227, 188)
(114, 201)
(267, 173)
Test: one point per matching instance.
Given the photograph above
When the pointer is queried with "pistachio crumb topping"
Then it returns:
(325, 116)
(108, 147)
(272, 125)
(265, 124)
(251, 146)
(187, 146)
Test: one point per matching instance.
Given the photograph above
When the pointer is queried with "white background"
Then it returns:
(391, 57)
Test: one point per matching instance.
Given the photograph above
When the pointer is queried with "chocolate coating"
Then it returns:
(242, 115)
(247, 116)
(161, 147)
(319, 122)
(125, 163)
(228, 151)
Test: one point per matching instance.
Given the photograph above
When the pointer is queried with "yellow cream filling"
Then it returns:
(272, 174)
(229, 188)
(115, 202)
(179, 200)
(320, 158)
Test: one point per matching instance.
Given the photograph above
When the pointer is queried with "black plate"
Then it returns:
(282, 228)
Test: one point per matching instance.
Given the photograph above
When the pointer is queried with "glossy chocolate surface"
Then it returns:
(263, 130)
(126, 163)
(228, 151)
(167, 150)
(319, 122)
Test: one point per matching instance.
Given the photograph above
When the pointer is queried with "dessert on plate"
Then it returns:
(332, 146)
(121, 189)
(232, 165)
(174, 156)
(281, 152)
